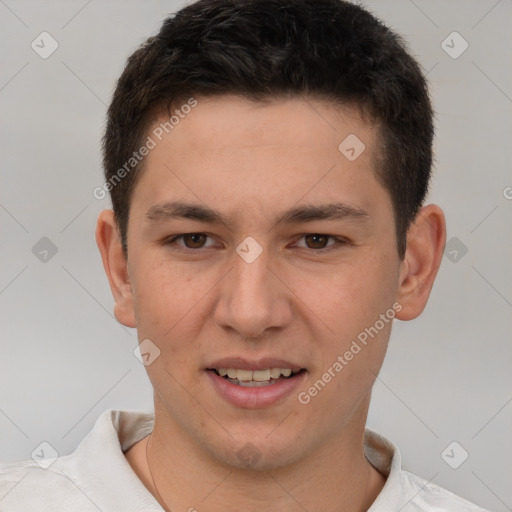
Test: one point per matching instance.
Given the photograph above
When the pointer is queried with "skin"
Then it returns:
(252, 161)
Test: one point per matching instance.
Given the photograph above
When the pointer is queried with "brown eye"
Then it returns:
(194, 240)
(185, 241)
(317, 241)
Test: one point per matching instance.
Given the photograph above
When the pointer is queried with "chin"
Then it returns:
(259, 454)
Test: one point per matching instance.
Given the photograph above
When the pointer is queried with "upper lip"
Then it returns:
(241, 363)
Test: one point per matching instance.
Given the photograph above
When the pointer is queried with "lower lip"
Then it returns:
(255, 397)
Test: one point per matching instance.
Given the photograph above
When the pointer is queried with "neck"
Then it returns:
(182, 476)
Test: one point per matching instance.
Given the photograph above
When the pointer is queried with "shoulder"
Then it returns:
(77, 481)
(419, 495)
(26, 486)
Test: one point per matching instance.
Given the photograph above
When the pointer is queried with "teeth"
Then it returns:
(256, 376)
(243, 375)
(275, 373)
(259, 375)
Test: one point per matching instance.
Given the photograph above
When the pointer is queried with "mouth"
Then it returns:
(256, 378)
(256, 384)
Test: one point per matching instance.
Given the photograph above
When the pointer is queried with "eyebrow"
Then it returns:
(299, 214)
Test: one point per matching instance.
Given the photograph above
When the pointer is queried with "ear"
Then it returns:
(426, 239)
(116, 267)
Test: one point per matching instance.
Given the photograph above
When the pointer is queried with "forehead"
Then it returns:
(231, 151)
(225, 120)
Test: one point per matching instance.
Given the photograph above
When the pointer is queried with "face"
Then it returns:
(255, 269)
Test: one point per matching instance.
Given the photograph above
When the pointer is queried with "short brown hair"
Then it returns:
(264, 49)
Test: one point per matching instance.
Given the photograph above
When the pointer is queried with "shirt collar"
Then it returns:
(384, 456)
(99, 468)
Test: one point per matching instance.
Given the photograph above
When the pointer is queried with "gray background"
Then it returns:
(64, 359)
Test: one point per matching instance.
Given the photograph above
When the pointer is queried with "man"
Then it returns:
(267, 162)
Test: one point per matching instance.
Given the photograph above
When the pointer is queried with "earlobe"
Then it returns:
(425, 245)
(116, 268)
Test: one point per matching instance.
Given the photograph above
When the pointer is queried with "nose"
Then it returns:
(253, 299)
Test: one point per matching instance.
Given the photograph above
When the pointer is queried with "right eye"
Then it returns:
(192, 241)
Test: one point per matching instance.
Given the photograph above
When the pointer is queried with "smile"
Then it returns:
(255, 389)
(254, 378)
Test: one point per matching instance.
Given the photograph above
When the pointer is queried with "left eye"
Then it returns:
(318, 241)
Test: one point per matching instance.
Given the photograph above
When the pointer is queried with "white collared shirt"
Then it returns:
(97, 476)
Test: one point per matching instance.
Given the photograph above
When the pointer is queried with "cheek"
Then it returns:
(351, 297)
(170, 302)
(354, 300)
(163, 292)
(366, 321)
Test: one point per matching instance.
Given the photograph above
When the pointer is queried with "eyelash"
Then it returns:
(172, 242)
